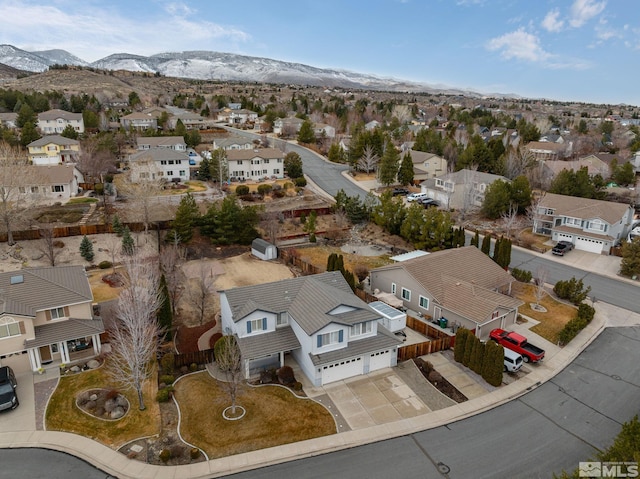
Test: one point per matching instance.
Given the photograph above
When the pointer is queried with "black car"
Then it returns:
(428, 202)
(8, 384)
(562, 247)
(399, 191)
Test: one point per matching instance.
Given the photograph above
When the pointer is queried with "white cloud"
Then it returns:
(552, 21)
(520, 45)
(584, 10)
(92, 32)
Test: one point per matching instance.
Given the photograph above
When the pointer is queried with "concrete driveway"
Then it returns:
(22, 418)
(378, 398)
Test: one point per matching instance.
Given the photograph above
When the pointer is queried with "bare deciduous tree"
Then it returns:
(518, 162)
(369, 160)
(510, 219)
(272, 224)
(47, 244)
(134, 340)
(533, 209)
(94, 162)
(229, 361)
(199, 294)
(171, 260)
(142, 185)
(114, 245)
(541, 279)
(20, 184)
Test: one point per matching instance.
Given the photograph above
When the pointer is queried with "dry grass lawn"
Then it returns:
(274, 417)
(551, 323)
(318, 257)
(63, 415)
(101, 290)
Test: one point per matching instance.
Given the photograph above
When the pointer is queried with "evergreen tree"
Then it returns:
(187, 215)
(69, 132)
(461, 338)
(86, 249)
(310, 226)
(336, 154)
(630, 263)
(306, 133)
(180, 130)
(497, 250)
(475, 241)
(493, 364)
(486, 244)
(388, 166)
(128, 245)
(331, 262)
(405, 174)
(497, 199)
(116, 225)
(293, 165)
(28, 134)
(165, 312)
(468, 347)
(204, 170)
(477, 356)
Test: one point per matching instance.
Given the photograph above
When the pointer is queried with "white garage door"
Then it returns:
(341, 370)
(592, 246)
(380, 360)
(18, 362)
(564, 237)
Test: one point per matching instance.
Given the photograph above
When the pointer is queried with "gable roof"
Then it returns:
(266, 153)
(43, 288)
(231, 140)
(592, 163)
(436, 271)
(465, 176)
(419, 157)
(53, 174)
(308, 299)
(156, 154)
(584, 208)
(55, 139)
(160, 141)
(55, 114)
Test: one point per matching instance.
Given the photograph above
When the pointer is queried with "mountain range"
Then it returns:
(209, 65)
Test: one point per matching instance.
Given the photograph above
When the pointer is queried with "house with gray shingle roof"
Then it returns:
(255, 164)
(463, 189)
(55, 121)
(54, 150)
(591, 225)
(45, 316)
(159, 164)
(463, 285)
(329, 331)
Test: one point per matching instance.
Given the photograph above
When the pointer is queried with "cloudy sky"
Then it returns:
(583, 50)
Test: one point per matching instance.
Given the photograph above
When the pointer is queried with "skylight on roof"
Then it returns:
(17, 279)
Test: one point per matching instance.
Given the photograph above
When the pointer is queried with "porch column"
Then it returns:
(34, 359)
(64, 352)
(281, 356)
(97, 345)
(246, 369)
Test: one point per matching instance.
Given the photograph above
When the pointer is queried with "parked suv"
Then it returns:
(512, 361)
(416, 196)
(399, 191)
(562, 247)
(8, 384)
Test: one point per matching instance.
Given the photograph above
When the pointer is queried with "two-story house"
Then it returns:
(591, 225)
(175, 143)
(462, 189)
(256, 164)
(55, 121)
(427, 165)
(46, 315)
(233, 143)
(331, 333)
(242, 116)
(139, 121)
(159, 164)
(190, 120)
(287, 126)
(463, 285)
(54, 150)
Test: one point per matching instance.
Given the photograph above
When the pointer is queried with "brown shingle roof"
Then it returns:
(66, 330)
(584, 208)
(266, 153)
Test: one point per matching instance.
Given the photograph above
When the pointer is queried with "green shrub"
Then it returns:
(164, 394)
(242, 190)
(586, 312)
(287, 186)
(521, 275)
(264, 189)
(104, 264)
(194, 453)
(168, 362)
(165, 455)
(167, 379)
(468, 347)
(193, 367)
(477, 357)
(572, 290)
(297, 386)
(300, 182)
(493, 363)
(458, 349)
(571, 330)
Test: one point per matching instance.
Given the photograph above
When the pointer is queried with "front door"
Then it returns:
(45, 354)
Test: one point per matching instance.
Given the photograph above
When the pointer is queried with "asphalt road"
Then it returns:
(549, 429)
(31, 463)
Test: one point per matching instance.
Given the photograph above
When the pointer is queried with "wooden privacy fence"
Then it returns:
(198, 357)
(420, 349)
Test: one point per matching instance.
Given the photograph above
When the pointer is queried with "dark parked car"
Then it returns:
(8, 384)
(562, 247)
(400, 191)
(428, 202)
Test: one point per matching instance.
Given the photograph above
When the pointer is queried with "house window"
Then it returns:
(239, 162)
(182, 173)
(265, 161)
(276, 171)
(279, 160)
(171, 162)
(57, 188)
(9, 327)
(257, 325)
(34, 189)
(163, 162)
(170, 173)
(144, 175)
(57, 313)
(361, 328)
(334, 337)
(573, 221)
(393, 288)
(597, 225)
(406, 294)
(424, 302)
(21, 189)
(282, 319)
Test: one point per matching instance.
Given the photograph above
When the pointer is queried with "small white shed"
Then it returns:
(263, 249)
(392, 319)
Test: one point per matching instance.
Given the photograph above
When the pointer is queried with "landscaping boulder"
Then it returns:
(93, 364)
(75, 369)
(93, 397)
(117, 413)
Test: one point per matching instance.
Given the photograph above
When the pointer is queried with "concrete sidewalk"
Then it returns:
(112, 462)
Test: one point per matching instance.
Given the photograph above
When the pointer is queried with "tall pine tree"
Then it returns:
(405, 173)
(165, 313)
(86, 249)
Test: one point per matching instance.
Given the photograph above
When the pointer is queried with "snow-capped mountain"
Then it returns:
(207, 65)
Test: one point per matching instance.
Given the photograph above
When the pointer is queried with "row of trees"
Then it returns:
(486, 359)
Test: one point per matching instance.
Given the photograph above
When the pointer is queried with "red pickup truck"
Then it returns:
(517, 343)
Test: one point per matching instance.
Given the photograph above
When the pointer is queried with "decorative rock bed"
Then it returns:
(106, 404)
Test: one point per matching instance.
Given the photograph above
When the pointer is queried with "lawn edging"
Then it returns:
(175, 401)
